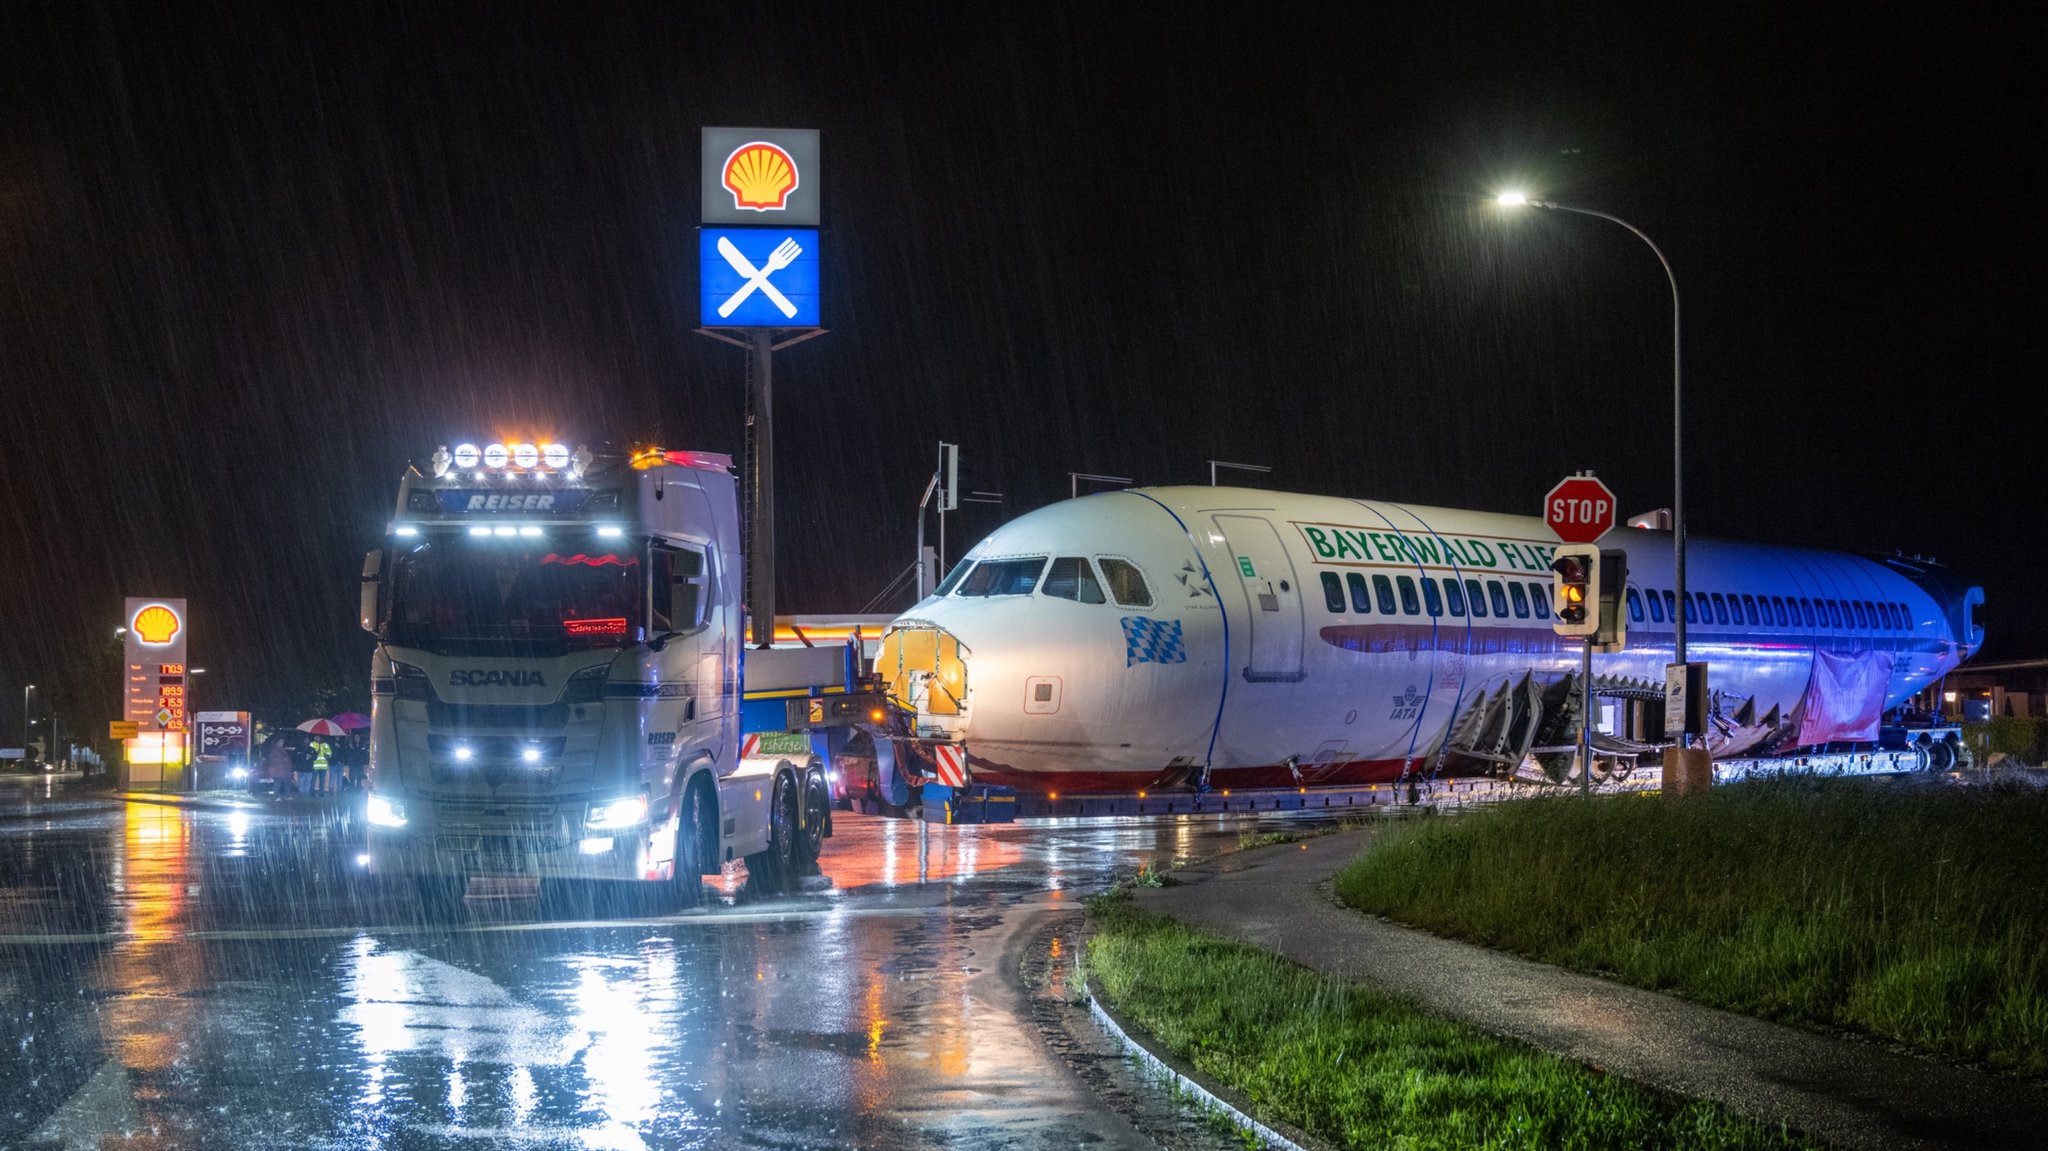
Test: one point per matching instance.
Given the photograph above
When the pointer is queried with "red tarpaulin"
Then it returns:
(1845, 697)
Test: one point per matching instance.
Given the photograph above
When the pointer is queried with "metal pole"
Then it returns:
(1586, 717)
(1677, 432)
(27, 731)
(921, 505)
(761, 548)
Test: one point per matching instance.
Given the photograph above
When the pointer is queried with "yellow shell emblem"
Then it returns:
(760, 176)
(156, 624)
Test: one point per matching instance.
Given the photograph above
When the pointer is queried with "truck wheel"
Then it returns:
(772, 870)
(695, 830)
(817, 821)
(441, 897)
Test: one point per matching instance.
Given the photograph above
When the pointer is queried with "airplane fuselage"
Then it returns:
(1148, 634)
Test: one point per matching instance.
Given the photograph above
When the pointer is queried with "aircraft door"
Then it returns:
(1272, 598)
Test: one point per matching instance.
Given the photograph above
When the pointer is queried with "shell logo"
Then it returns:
(156, 624)
(760, 177)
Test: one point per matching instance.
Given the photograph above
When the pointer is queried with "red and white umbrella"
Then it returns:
(323, 727)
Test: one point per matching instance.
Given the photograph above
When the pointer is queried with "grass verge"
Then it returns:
(1915, 914)
(1360, 1069)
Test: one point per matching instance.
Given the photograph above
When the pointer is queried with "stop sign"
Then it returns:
(1579, 509)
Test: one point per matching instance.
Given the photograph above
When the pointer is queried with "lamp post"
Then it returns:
(27, 724)
(1521, 199)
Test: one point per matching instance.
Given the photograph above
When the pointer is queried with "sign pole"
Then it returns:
(1586, 717)
(761, 488)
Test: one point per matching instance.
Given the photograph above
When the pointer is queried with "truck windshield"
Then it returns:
(463, 596)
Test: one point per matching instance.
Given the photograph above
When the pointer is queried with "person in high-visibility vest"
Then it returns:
(320, 754)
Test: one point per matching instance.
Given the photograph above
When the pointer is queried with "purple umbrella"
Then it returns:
(352, 720)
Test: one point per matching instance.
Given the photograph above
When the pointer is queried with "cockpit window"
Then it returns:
(1126, 582)
(953, 579)
(1072, 577)
(1003, 577)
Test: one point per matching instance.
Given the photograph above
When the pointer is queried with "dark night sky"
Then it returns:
(253, 261)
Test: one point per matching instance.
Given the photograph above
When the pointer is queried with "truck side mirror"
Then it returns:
(372, 612)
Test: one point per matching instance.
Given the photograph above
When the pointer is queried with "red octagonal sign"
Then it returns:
(1579, 509)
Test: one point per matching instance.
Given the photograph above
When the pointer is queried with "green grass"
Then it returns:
(1912, 913)
(1361, 1069)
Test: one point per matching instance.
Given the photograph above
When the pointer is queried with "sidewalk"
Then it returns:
(1846, 1091)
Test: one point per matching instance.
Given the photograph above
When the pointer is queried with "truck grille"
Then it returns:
(501, 716)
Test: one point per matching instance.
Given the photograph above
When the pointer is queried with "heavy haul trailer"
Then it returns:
(560, 690)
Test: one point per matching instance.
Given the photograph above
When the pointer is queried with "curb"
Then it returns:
(1183, 1081)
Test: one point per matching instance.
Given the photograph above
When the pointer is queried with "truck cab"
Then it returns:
(556, 689)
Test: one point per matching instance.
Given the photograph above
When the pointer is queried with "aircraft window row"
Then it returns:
(1067, 577)
(1767, 611)
(1477, 598)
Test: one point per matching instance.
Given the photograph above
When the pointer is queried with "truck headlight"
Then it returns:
(624, 812)
(385, 811)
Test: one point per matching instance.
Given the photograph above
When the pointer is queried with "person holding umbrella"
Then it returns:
(322, 730)
(353, 755)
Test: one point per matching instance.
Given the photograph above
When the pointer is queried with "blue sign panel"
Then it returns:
(758, 277)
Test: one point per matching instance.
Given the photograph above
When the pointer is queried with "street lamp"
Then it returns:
(1515, 199)
(27, 724)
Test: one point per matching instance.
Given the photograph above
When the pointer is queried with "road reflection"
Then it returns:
(242, 989)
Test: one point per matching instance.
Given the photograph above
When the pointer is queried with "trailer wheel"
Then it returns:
(817, 818)
(772, 870)
(696, 831)
(441, 896)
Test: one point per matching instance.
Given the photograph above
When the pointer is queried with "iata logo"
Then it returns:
(760, 177)
(155, 625)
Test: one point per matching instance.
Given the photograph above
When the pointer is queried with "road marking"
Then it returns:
(104, 1106)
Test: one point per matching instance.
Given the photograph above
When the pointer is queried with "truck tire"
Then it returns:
(696, 829)
(773, 870)
(441, 897)
(817, 818)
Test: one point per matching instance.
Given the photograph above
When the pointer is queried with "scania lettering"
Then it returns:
(559, 690)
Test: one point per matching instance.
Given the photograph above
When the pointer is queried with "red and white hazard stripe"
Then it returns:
(952, 763)
(750, 746)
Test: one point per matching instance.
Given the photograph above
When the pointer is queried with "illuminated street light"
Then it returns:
(1517, 199)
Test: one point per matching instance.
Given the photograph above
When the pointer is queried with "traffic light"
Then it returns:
(1574, 580)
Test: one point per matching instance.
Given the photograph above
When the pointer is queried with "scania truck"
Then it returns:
(561, 690)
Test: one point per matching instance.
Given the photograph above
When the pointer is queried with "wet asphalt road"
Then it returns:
(177, 977)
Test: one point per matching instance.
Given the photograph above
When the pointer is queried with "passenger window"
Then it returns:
(1862, 616)
(1656, 606)
(1635, 606)
(1003, 577)
(1361, 599)
(1333, 592)
(1431, 598)
(1126, 582)
(1071, 577)
(1749, 609)
(1454, 597)
(677, 589)
(1499, 598)
(1383, 590)
(1539, 599)
(1899, 617)
(1835, 614)
(1720, 608)
(1409, 603)
(1690, 615)
(1478, 597)
(1778, 609)
(1521, 600)
(1671, 606)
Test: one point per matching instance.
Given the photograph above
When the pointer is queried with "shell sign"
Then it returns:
(760, 177)
(155, 624)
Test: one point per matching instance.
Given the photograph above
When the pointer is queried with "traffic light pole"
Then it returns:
(1586, 717)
